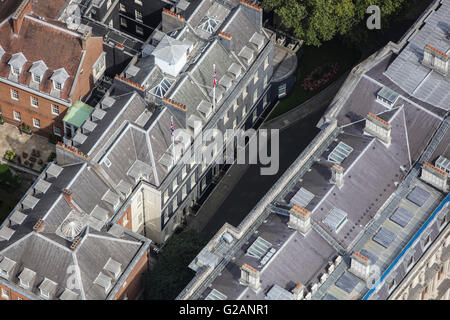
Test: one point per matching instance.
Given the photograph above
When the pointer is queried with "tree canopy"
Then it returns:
(316, 21)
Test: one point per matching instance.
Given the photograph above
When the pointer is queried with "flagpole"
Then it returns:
(214, 89)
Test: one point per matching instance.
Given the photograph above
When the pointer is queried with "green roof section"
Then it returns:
(78, 113)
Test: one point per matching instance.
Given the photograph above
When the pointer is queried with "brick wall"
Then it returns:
(126, 216)
(133, 285)
(12, 294)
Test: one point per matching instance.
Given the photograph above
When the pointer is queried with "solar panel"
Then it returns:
(347, 282)
(216, 295)
(259, 248)
(388, 95)
(443, 164)
(384, 237)
(418, 196)
(401, 216)
(302, 198)
(336, 219)
(340, 152)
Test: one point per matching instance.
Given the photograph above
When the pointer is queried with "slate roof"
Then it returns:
(38, 40)
(417, 79)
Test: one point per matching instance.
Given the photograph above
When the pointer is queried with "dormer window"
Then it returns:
(59, 77)
(37, 70)
(17, 62)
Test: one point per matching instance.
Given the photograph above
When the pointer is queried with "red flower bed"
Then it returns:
(320, 76)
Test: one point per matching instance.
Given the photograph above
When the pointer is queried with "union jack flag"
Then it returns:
(215, 77)
(172, 128)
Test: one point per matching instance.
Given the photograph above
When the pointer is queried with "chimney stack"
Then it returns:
(75, 243)
(24, 8)
(434, 176)
(298, 292)
(253, 11)
(435, 59)
(337, 175)
(38, 226)
(250, 277)
(84, 39)
(360, 266)
(379, 128)
(226, 40)
(300, 219)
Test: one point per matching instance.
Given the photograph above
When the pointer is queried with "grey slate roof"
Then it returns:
(408, 71)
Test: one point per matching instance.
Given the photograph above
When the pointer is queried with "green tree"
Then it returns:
(316, 21)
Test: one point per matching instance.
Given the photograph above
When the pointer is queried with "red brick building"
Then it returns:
(44, 67)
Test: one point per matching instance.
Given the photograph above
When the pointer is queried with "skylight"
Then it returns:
(259, 248)
(161, 89)
(339, 153)
(443, 164)
(208, 24)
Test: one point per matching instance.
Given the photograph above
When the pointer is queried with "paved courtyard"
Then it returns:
(20, 143)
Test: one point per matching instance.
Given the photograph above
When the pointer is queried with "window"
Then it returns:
(256, 78)
(265, 101)
(139, 2)
(426, 242)
(138, 15)
(255, 95)
(244, 93)
(55, 109)
(36, 78)
(16, 71)
(14, 94)
(108, 4)
(17, 116)
(442, 223)
(139, 30)
(183, 173)
(166, 196)
(34, 102)
(265, 81)
(125, 220)
(24, 284)
(107, 162)
(58, 86)
(234, 123)
(183, 192)
(122, 8)
(174, 184)
(193, 180)
(174, 204)
(266, 62)
(56, 131)
(391, 285)
(235, 106)
(255, 115)
(5, 294)
(244, 111)
(99, 66)
(123, 22)
(410, 263)
(36, 123)
(225, 118)
(111, 23)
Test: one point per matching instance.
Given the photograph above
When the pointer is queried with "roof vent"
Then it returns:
(98, 114)
(6, 233)
(53, 171)
(103, 281)
(114, 267)
(17, 217)
(435, 59)
(107, 102)
(41, 187)
(29, 202)
(258, 40)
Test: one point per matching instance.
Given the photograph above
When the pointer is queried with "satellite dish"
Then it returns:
(73, 19)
